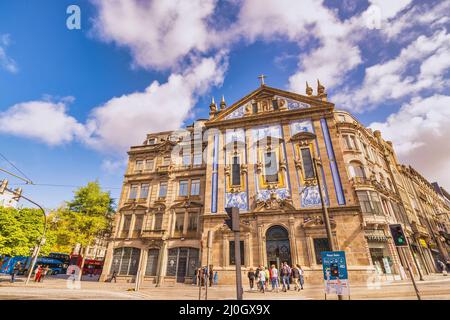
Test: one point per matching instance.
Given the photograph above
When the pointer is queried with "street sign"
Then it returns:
(398, 235)
(335, 273)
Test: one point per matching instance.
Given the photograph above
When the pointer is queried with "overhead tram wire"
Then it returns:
(59, 185)
(15, 167)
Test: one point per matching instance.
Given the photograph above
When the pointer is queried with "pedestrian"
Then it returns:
(194, 279)
(297, 275)
(44, 273)
(37, 277)
(267, 272)
(113, 277)
(251, 278)
(210, 275)
(257, 271)
(285, 275)
(274, 278)
(443, 267)
(216, 278)
(199, 276)
(15, 270)
(262, 280)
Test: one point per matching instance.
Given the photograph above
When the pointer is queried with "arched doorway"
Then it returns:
(278, 249)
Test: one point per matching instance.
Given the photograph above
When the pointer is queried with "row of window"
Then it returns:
(370, 203)
(186, 187)
(184, 223)
(186, 160)
(350, 142)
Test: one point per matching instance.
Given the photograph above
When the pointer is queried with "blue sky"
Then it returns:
(73, 101)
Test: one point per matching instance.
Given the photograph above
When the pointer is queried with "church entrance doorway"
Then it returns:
(278, 249)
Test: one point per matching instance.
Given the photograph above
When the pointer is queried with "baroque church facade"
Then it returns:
(257, 155)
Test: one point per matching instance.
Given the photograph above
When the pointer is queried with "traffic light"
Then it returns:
(233, 218)
(398, 235)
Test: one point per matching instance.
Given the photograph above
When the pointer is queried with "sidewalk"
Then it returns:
(434, 287)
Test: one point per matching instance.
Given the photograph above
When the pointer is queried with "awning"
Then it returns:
(375, 235)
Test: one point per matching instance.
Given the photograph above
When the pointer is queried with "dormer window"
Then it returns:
(152, 141)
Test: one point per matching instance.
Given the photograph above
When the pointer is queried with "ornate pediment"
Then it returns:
(133, 206)
(273, 203)
(317, 222)
(186, 204)
(265, 100)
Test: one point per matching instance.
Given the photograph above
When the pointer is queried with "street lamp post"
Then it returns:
(309, 136)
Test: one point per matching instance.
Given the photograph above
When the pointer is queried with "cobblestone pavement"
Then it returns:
(57, 288)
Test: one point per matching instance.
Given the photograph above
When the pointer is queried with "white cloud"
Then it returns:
(125, 120)
(395, 78)
(45, 121)
(158, 33)
(420, 132)
(389, 9)
(6, 62)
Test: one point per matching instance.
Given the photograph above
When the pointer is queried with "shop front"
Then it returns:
(380, 254)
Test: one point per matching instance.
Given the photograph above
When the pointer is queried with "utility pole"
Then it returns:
(326, 218)
(208, 254)
(401, 242)
(233, 223)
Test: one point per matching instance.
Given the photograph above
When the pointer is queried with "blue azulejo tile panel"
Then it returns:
(310, 197)
(238, 113)
(301, 126)
(237, 200)
(214, 183)
(264, 194)
(333, 166)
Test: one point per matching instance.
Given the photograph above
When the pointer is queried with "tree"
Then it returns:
(87, 217)
(20, 230)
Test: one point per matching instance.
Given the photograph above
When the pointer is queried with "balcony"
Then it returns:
(361, 182)
(152, 234)
(374, 219)
(163, 169)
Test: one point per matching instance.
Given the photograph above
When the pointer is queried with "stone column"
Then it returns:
(130, 231)
(162, 262)
(260, 245)
(293, 241)
(108, 262)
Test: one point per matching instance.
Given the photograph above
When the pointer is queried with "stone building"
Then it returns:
(257, 155)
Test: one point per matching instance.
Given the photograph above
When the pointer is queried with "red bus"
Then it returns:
(91, 266)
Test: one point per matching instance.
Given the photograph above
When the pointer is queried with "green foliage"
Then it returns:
(20, 230)
(87, 216)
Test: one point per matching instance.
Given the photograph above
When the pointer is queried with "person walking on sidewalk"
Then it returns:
(267, 272)
(43, 274)
(297, 275)
(274, 279)
(251, 278)
(285, 274)
(38, 275)
(114, 276)
(15, 270)
(262, 280)
(258, 270)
